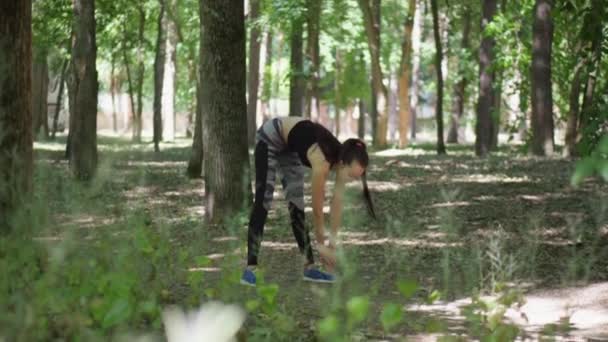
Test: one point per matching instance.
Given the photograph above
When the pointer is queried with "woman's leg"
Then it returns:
(292, 179)
(265, 169)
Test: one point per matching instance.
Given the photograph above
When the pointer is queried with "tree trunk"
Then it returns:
(267, 79)
(542, 96)
(496, 109)
(16, 156)
(371, 19)
(417, 33)
(195, 165)
(438, 61)
(573, 113)
(83, 144)
(593, 70)
(404, 78)
(159, 72)
(224, 108)
(361, 124)
(312, 48)
(337, 90)
(483, 131)
(169, 72)
(114, 88)
(59, 101)
(40, 88)
(253, 82)
(455, 133)
(296, 82)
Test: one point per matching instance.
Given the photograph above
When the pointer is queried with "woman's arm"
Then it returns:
(320, 170)
(335, 215)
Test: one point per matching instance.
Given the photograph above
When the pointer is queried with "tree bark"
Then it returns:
(159, 72)
(224, 107)
(361, 123)
(483, 129)
(296, 79)
(136, 81)
(455, 135)
(371, 19)
(267, 79)
(338, 91)
(438, 62)
(169, 72)
(40, 89)
(542, 96)
(83, 144)
(59, 101)
(114, 88)
(312, 48)
(16, 156)
(253, 82)
(195, 165)
(417, 33)
(573, 112)
(404, 77)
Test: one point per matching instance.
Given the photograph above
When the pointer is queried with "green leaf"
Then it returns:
(268, 292)
(252, 304)
(357, 308)
(391, 315)
(407, 288)
(328, 326)
(434, 296)
(119, 312)
(584, 169)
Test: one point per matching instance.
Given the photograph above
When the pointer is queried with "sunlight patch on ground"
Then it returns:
(48, 146)
(422, 243)
(384, 186)
(198, 210)
(163, 164)
(225, 238)
(138, 192)
(584, 309)
(393, 152)
(279, 246)
(450, 204)
(204, 269)
(493, 178)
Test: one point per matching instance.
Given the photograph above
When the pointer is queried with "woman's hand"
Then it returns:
(328, 257)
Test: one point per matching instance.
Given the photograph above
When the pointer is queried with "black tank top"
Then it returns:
(306, 133)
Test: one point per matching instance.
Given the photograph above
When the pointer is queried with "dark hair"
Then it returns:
(355, 149)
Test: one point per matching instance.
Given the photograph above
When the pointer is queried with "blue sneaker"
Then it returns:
(248, 278)
(318, 276)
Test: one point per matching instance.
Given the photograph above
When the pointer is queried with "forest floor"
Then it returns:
(454, 226)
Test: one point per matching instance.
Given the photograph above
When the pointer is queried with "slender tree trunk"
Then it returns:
(371, 19)
(16, 156)
(438, 61)
(483, 129)
(59, 101)
(455, 133)
(192, 107)
(159, 72)
(296, 80)
(224, 107)
(542, 97)
(312, 48)
(593, 70)
(496, 109)
(267, 80)
(131, 91)
(169, 72)
(83, 154)
(40, 88)
(338, 90)
(417, 33)
(404, 77)
(138, 124)
(113, 90)
(253, 82)
(195, 165)
(361, 124)
(573, 113)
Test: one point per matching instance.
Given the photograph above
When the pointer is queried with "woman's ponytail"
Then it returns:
(367, 196)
